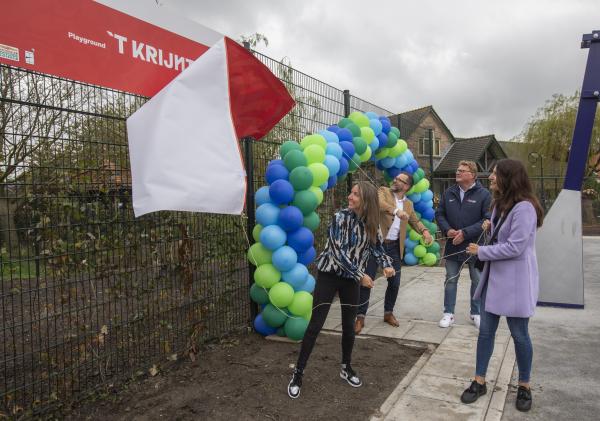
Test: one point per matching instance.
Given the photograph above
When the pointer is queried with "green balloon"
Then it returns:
(258, 254)
(416, 177)
(360, 119)
(419, 251)
(344, 122)
(414, 236)
(320, 173)
(420, 172)
(313, 139)
(314, 153)
(295, 328)
(434, 228)
(434, 248)
(353, 163)
(392, 140)
(360, 146)
(396, 150)
(367, 134)
(266, 275)
(395, 131)
(386, 177)
(294, 159)
(318, 194)
(301, 303)
(301, 178)
(306, 201)
(312, 221)
(421, 186)
(287, 146)
(258, 294)
(256, 232)
(307, 316)
(354, 129)
(382, 153)
(429, 259)
(273, 316)
(281, 294)
(438, 256)
(366, 156)
(280, 332)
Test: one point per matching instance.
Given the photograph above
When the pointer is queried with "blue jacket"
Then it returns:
(467, 216)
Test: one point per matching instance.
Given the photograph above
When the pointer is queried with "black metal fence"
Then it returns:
(89, 295)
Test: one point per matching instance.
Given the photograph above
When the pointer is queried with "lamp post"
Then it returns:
(430, 136)
(533, 158)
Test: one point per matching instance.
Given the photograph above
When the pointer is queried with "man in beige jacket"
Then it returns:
(396, 212)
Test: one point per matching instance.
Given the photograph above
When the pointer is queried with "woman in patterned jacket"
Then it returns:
(353, 236)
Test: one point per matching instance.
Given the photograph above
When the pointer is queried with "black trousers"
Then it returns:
(327, 285)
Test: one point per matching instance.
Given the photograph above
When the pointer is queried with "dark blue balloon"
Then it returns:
(384, 118)
(428, 214)
(281, 192)
(383, 139)
(275, 162)
(276, 172)
(335, 128)
(307, 257)
(348, 148)
(344, 135)
(331, 181)
(386, 125)
(290, 218)
(343, 167)
(414, 166)
(262, 327)
(379, 165)
(408, 169)
(393, 172)
(300, 240)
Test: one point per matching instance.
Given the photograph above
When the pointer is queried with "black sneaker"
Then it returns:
(295, 384)
(523, 399)
(350, 376)
(473, 393)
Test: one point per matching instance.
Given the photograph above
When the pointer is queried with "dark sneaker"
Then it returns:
(295, 384)
(350, 376)
(523, 399)
(473, 393)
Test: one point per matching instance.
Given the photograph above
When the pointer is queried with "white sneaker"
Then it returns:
(447, 320)
(476, 318)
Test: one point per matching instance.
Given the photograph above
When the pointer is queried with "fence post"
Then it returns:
(346, 114)
(250, 211)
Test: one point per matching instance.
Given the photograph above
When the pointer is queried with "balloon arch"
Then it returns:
(286, 213)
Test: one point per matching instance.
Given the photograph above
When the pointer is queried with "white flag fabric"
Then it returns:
(183, 142)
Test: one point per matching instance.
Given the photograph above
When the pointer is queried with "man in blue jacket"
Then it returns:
(461, 211)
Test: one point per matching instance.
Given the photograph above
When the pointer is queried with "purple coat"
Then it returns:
(512, 270)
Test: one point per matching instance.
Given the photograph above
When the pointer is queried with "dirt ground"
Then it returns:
(245, 377)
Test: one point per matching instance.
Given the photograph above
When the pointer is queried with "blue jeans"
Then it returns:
(485, 342)
(452, 275)
(391, 293)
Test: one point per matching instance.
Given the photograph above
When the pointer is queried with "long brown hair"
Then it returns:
(513, 186)
(369, 209)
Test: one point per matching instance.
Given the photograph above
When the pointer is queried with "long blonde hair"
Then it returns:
(369, 209)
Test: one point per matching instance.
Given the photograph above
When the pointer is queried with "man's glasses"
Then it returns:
(462, 171)
(399, 180)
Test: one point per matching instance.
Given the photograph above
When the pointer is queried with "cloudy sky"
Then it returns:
(485, 66)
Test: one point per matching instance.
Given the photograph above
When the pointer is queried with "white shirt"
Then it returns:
(462, 192)
(394, 231)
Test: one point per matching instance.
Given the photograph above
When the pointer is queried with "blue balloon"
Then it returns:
(415, 197)
(384, 118)
(329, 136)
(334, 149)
(408, 169)
(401, 161)
(267, 214)
(295, 276)
(262, 327)
(379, 166)
(281, 192)
(275, 162)
(371, 115)
(385, 125)
(290, 218)
(323, 186)
(387, 162)
(428, 214)
(393, 172)
(307, 257)
(344, 135)
(348, 148)
(420, 206)
(331, 181)
(335, 128)
(262, 196)
(376, 126)
(383, 140)
(276, 172)
(427, 195)
(300, 240)
(414, 166)
(428, 204)
(374, 145)
(343, 167)
(410, 259)
(409, 156)
(409, 244)
(309, 284)
(284, 258)
(273, 237)
(332, 163)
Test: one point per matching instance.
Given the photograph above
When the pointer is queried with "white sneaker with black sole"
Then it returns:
(350, 376)
(295, 384)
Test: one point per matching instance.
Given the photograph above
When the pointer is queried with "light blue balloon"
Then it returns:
(308, 285)
(374, 145)
(409, 245)
(267, 214)
(388, 162)
(296, 276)
(332, 163)
(409, 156)
(410, 259)
(284, 258)
(375, 124)
(372, 115)
(415, 197)
(334, 149)
(401, 161)
(262, 196)
(330, 137)
(427, 195)
(324, 186)
(428, 204)
(273, 237)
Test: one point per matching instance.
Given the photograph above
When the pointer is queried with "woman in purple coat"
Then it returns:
(509, 282)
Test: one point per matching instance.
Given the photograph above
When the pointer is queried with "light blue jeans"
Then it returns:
(452, 275)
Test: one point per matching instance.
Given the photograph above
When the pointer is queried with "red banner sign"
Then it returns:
(91, 42)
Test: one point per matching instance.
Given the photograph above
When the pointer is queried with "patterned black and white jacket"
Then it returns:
(348, 248)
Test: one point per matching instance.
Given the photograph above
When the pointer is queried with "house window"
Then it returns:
(424, 145)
